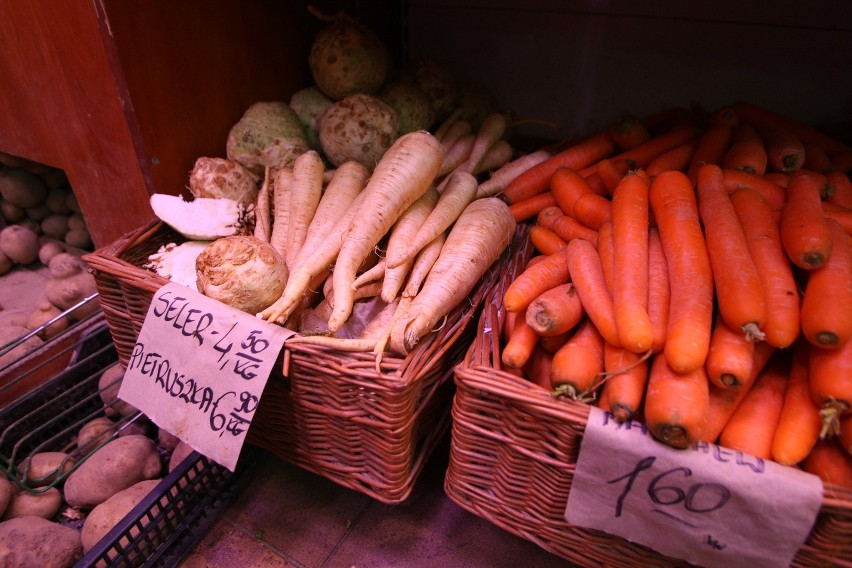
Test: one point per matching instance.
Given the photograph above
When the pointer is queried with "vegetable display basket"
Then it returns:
(327, 411)
(514, 450)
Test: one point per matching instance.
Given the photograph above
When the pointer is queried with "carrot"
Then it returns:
(630, 222)
(520, 344)
(607, 253)
(529, 208)
(611, 172)
(678, 158)
(726, 115)
(785, 152)
(759, 117)
(603, 398)
(676, 404)
(282, 183)
(752, 426)
(584, 266)
(690, 321)
(305, 194)
(628, 132)
(830, 372)
(577, 156)
(405, 172)
(477, 239)
(747, 152)
(555, 311)
(762, 235)
(544, 240)
(830, 463)
(500, 178)
(844, 436)
(712, 145)
(536, 279)
(839, 189)
(552, 343)
(401, 235)
(723, 401)
(816, 159)
(458, 194)
(568, 186)
(643, 154)
(625, 382)
(799, 423)
(780, 179)
(538, 367)
(840, 215)
(805, 233)
(842, 162)
(829, 287)
(774, 194)
(578, 363)
(731, 356)
(595, 181)
(592, 210)
(566, 227)
(739, 290)
(659, 292)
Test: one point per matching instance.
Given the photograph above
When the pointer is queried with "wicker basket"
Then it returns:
(514, 449)
(333, 414)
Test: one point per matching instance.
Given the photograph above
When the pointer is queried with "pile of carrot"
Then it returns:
(693, 271)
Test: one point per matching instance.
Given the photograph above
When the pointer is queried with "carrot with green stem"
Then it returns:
(826, 315)
(458, 194)
(584, 266)
(690, 320)
(566, 227)
(805, 234)
(747, 151)
(501, 177)
(305, 193)
(659, 292)
(676, 403)
(739, 290)
(325, 235)
(555, 311)
(830, 372)
(535, 279)
(625, 381)
(405, 172)
(630, 222)
(782, 324)
(799, 423)
(577, 156)
(711, 148)
(531, 207)
(477, 239)
(731, 356)
(578, 364)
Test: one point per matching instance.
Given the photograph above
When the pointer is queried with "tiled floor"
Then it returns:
(289, 517)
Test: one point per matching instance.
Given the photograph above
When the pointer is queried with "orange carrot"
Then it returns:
(555, 311)
(739, 290)
(529, 208)
(845, 434)
(731, 356)
(747, 152)
(678, 158)
(676, 404)
(779, 286)
(592, 210)
(773, 193)
(544, 240)
(628, 132)
(584, 266)
(752, 426)
(842, 162)
(799, 423)
(841, 215)
(830, 463)
(577, 365)
(826, 316)
(759, 116)
(690, 321)
(611, 172)
(595, 181)
(552, 343)
(712, 145)
(536, 279)
(566, 227)
(804, 231)
(625, 382)
(785, 152)
(816, 159)
(520, 344)
(643, 154)
(536, 179)
(725, 115)
(724, 401)
(659, 292)
(630, 221)
(830, 372)
(607, 253)
(568, 186)
(538, 366)
(603, 398)
(778, 178)
(839, 189)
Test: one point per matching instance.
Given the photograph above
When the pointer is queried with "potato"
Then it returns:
(50, 248)
(44, 504)
(5, 493)
(57, 200)
(168, 441)
(95, 432)
(32, 541)
(105, 516)
(6, 264)
(113, 468)
(19, 243)
(108, 387)
(22, 188)
(54, 226)
(44, 467)
(44, 312)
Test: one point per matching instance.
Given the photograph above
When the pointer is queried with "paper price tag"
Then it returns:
(198, 370)
(708, 505)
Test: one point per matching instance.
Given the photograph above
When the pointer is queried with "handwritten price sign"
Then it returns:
(198, 370)
(707, 505)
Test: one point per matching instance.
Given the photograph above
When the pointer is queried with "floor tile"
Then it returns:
(226, 545)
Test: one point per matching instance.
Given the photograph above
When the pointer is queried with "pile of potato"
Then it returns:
(59, 524)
